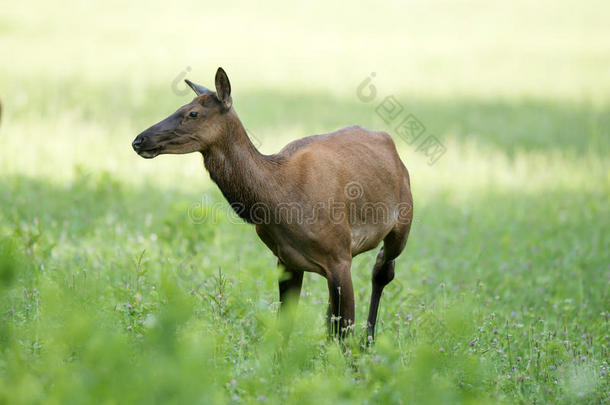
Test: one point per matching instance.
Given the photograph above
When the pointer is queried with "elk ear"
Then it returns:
(197, 88)
(223, 89)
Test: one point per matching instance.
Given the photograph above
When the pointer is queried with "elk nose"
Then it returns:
(137, 143)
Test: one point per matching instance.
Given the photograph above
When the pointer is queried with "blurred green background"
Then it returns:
(124, 280)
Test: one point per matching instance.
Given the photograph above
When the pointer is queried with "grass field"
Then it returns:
(124, 280)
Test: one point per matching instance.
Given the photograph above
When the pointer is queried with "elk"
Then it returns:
(348, 190)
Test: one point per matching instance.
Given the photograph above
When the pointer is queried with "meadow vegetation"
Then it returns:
(124, 280)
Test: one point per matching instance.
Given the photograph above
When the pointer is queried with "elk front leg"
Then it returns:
(290, 290)
(341, 302)
(290, 286)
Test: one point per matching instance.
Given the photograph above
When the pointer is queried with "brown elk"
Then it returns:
(320, 201)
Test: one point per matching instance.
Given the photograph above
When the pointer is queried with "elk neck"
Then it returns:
(246, 177)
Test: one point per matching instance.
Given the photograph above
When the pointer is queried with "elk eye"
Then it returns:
(193, 114)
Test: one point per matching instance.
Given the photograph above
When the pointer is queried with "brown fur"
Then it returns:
(316, 204)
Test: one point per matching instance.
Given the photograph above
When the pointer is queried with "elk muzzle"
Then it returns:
(151, 141)
(145, 147)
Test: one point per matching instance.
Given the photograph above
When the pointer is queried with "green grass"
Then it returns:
(124, 280)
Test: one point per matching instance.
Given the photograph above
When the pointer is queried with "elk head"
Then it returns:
(194, 126)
